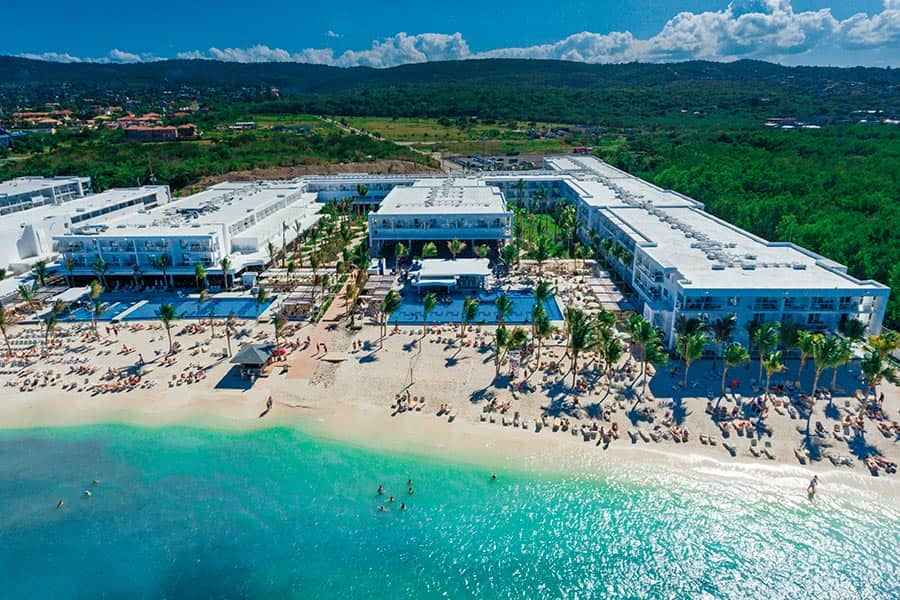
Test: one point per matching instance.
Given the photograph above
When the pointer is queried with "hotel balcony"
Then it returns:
(467, 233)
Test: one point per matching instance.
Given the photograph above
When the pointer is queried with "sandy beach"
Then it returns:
(349, 394)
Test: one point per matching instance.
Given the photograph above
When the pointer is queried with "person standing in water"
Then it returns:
(813, 484)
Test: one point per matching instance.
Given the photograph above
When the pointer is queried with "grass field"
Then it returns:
(460, 137)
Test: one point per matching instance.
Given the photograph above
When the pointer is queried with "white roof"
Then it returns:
(437, 268)
(444, 196)
(25, 185)
(693, 241)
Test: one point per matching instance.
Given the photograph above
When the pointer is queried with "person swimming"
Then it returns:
(391, 499)
(380, 489)
(382, 508)
(493, 477)
(410, 491)
(60, 504)
(402, 506)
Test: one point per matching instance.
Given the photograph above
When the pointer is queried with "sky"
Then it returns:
(384, 33)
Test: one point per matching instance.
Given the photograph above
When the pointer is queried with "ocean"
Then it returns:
(194, 513)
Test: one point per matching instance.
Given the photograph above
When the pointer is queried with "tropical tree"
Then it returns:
(225, 265)
(876, 369)
(824, 350)
(429, 302)
(100, 267)
(200, 276)
(26, 294)
(262, 294)
(272, 251)
(509, 254)
(400, 252)
(805, 342)
(298, 231)
(51, 319)
(351, 294)
(456, 247)
(542, 330)
(284, 228)
(501, 342)
(163, 262)
(690, 348)
(279, 323)
(4, 323)
(504, 306)
(581, 252)
(886, 343)
(3, 273)
(167, 316)
(482, 251)
(772, 363)
(766, 337)
(734, 356)
(722, 330)
(95, 290)
(429, 250)
(645, 337)
(581, 337)
(854, 329)
(230, 324)
(469, 313)
(389, 306)
(39, 270)
(843, 354)
(568, 222)
(544, 247)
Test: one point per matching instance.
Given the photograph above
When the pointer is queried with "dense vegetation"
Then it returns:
(111, 161)
(834, 190)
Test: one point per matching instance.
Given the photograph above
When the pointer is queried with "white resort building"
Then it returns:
(27, 236)
(234, 220)
(23, 193)
(441, 209)
(678, 260)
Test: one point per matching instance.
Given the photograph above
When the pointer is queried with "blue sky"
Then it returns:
(384, 33)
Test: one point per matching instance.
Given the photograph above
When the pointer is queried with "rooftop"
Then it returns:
(440, 268)
(444, 196)
(24, 185)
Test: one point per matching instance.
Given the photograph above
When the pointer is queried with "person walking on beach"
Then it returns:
(811, 489)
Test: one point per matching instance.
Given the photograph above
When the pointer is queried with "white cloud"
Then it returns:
(767, 29)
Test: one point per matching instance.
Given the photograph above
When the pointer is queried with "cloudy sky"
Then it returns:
(383, 33)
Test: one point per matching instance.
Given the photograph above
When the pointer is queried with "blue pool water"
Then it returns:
(191, 513)
(186, 308)
(411, 309)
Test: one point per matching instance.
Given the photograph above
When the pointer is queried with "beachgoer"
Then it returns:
(60, 504)
(380, 489)
(402, 506)
(391, 499)
(382, 508)
(410, 491)
(493, 477)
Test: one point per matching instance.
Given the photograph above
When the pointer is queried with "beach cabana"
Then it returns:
(253, 358)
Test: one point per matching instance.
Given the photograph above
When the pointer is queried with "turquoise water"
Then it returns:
(199, 514)
(450, 310)
(186, 308)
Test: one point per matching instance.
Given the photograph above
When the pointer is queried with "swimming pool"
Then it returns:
(185, 308)
(450, 310)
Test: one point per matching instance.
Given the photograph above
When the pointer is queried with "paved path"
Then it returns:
(326, 331)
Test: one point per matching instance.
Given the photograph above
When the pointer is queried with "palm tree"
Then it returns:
(273, 253)
(766, 337)
(805, 343)
(225, 265)
(509, 254)
(94, 292)
(456, 247)
(400, 251)
(298, 230)
(284, 228)
(4, 323)
(100, 267)
(429, 250)
(543, 291)
(50, 321)
(722, 330)
(645, 337)
(351, 293)
(26, 294)
(734, 356)
(315, 261)
(501, 341)
(504, 306)
(200, 276)
(2, 273)
(469, 313)
(69, 265)
(279, 323)
(876, 369)
(542, 330)
(389, 306)
(261, 296)
(163, 262)
(690, 347)
(885, 343)
(229, 328)
(482, 251)
(581, 337)
(854, 329)
(568, 222)
(167, 316)
(543, 249)
(39, 270)
(823, 351)
(582, 252)
(843, 354)
(429, 302)
(772, 363)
